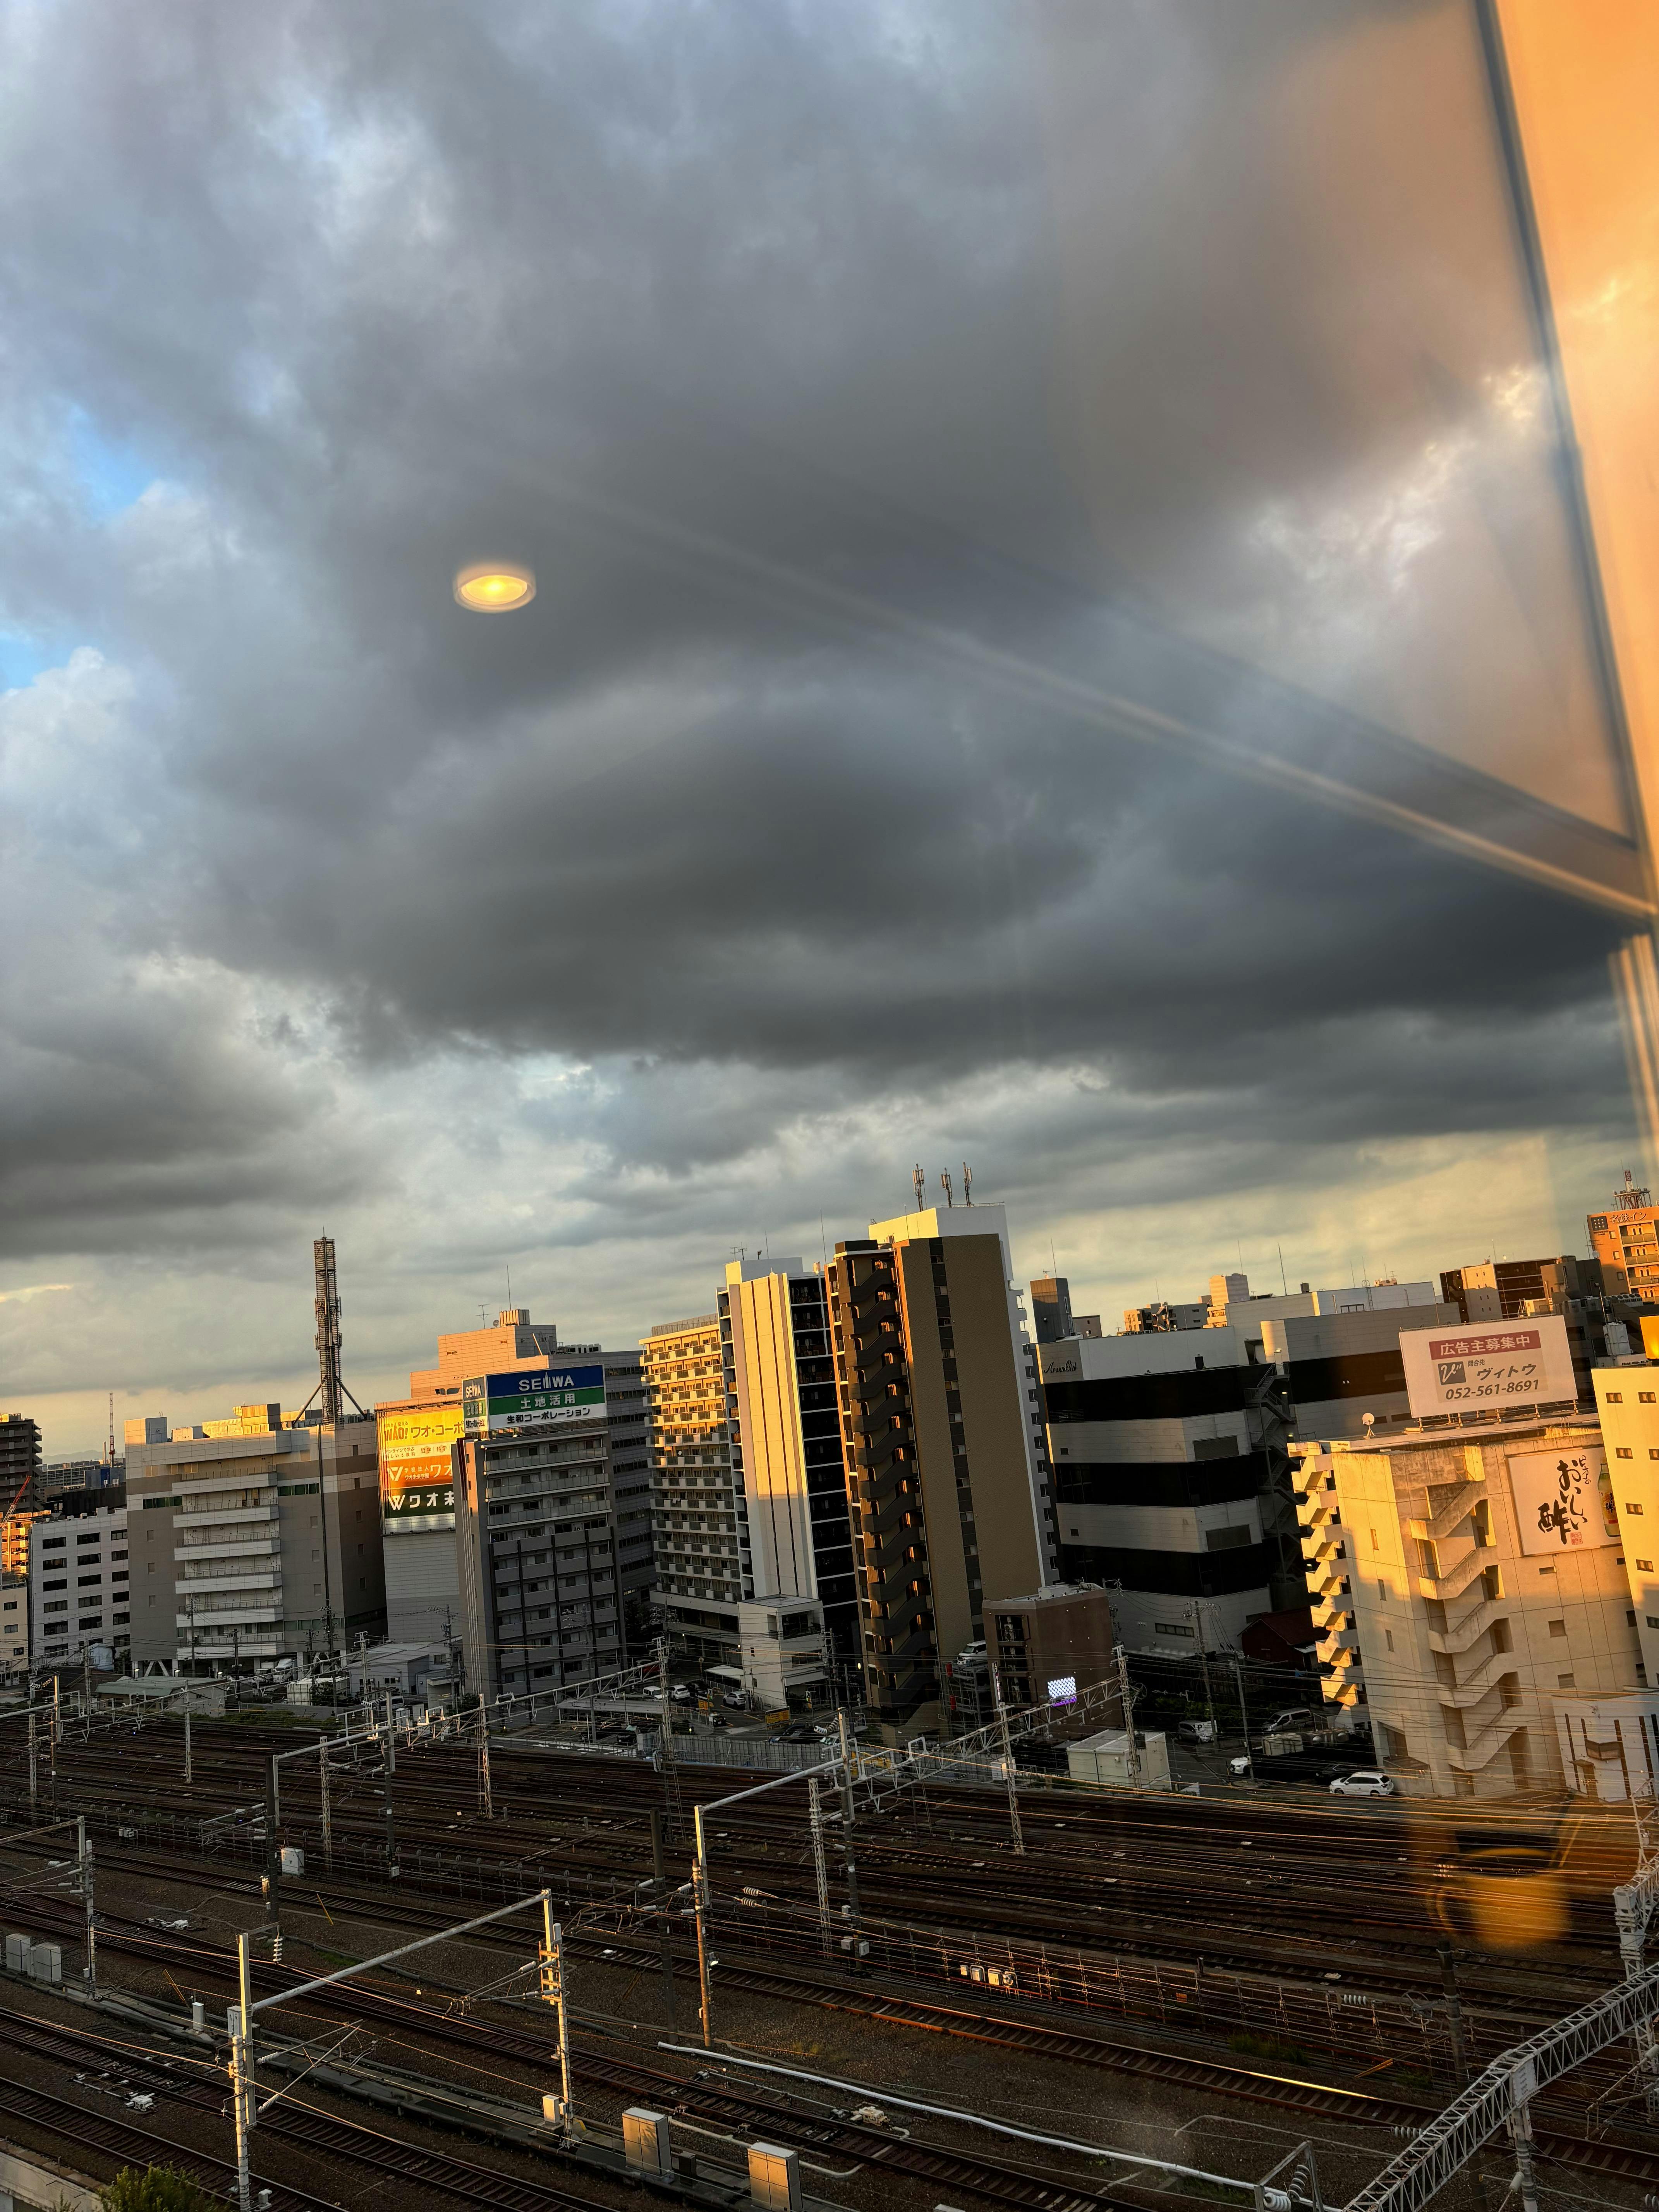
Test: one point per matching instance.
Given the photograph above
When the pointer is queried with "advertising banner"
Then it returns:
(1564, 1498)
(416, 1487)
(1488, 1366)
(540, 1394)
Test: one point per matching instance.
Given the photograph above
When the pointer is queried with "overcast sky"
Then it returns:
(793, 836)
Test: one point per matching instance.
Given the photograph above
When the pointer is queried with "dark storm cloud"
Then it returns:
(802, 776)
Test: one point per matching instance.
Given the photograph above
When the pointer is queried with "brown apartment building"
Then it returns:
(1625, 1239)
(947, 1481)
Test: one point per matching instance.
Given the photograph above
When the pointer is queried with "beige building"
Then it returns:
(253, 1546)
(1464, 1581)
(698, 1522)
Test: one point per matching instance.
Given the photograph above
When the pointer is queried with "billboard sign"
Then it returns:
(416, 1485)
(1488, 1366)
(1564, 1498)
(537, 1395)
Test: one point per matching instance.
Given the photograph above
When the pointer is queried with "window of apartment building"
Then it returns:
(1632, 1507)
(1615, 1398)
(1623, 1451)
(1558, 1628)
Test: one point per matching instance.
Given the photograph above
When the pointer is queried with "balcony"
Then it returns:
(236, 1575)
(235, 1543)
(218, 1620)
(189, 1516)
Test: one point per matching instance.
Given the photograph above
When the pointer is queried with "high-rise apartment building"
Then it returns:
(700, 1525)
(1052, 1317)
(254, 1546)
(539, 1546)
(20, 1463)
(940, 1428)
(79, 1592)
(786, 1445)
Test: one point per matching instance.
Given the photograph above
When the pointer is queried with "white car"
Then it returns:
(1367, 1783)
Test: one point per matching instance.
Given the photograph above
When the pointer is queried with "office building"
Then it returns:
(1160, 1318)
(536, 1540)
(254, 1546)
(941, 1427)
(1052, 1317)
(79, 1585)
(1170, 1467)
(78, 1475)
(1625, 1241)
(20, 1463)
(1502, 1290)
(419, 1436)
(14, 1623)
(699, 1522)
(771, 1652)
(1340, 1365)
(786, 1450)
(1051, 1644)
(1465, 1582)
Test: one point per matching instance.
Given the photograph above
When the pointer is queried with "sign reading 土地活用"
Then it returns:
(1489, 1365)
(537, 1394)
(1564, 1498)
(418, 1488)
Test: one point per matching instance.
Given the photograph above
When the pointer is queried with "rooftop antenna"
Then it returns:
(920, 1181)
(112, 1428)
(1283, 1285)
(330, 1387)
(509, 1286)
(967, 1184)
(483, 1314)
(949, 1195)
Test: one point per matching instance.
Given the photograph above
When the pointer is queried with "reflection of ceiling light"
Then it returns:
(490, 587)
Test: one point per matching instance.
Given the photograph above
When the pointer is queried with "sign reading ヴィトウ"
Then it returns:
(1488, 1366)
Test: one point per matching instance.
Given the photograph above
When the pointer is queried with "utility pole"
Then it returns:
(486, 1794)
(1244, 1714)
(1127, 1698)
(241, 2072)
(391, 1740)
(552, 1989)
(1203, 1667)
(660, 1873)
(273, 1883)
(700, 1907)
(34, 1778)
(820, 1863)
(1448, 1958)
(189, 1771)
(323, 1796)
(1007, 1760)
(853, 1923)
(84, 1845)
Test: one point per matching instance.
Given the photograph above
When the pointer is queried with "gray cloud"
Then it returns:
(797, 822)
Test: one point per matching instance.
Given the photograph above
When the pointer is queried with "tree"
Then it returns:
(157, 2189)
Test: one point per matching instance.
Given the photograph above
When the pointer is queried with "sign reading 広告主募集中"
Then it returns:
(1489, 1365)
(538, 1394)
(417, 1481)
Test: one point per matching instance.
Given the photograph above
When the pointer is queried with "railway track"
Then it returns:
(1100, 1873)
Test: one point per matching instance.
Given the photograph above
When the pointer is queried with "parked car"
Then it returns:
(1366, 1783)
(1293, 1718)
(801, 1732)
(734, 1701)
(680, 1694)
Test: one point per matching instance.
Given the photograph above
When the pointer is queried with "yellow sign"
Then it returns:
(416, 1485)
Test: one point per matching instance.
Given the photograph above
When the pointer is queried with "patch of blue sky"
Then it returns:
(22, 659)
(113, 474)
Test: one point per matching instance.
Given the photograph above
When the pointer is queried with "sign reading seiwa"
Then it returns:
(1564, 1498)
(542, 1393)
(1487, 1365)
